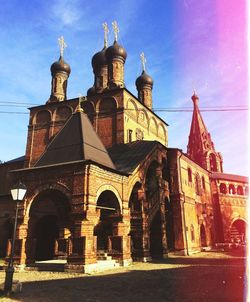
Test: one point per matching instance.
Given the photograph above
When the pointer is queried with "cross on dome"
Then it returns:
(115, 29)
(62, 45)
(106, 31)
(143, 61)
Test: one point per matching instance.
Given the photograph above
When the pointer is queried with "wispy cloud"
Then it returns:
(65, 11)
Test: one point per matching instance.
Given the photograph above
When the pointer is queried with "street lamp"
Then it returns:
(18, 192)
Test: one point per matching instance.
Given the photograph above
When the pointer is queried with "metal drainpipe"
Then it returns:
(182, 207)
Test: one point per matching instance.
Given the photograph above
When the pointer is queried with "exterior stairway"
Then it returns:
(105, 262)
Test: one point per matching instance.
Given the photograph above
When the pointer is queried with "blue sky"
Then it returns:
(188, 44)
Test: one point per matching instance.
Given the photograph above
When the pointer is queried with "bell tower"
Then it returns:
(200, 147)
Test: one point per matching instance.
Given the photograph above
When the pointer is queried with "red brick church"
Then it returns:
(102, 182)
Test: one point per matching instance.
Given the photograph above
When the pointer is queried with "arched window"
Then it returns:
(189, 175)
(240, 190)
(192, 233)
(197, 184)
(223, 188)
(43, 117)
(63, 113)
(231, 189)
(213, 163)
(246, 190)
(203, 183)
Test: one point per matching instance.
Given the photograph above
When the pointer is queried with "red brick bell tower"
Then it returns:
(200, 145)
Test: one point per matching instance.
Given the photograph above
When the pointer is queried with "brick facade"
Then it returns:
(149, 201)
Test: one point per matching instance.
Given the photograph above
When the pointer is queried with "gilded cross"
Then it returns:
(115, 29)
(62, 45)
(106, 31)
(143, 61)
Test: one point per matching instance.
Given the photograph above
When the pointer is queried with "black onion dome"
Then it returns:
(99, 58)
(60, 66)
(116, 51)
(144, 80)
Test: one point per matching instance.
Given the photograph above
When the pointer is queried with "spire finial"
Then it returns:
(62, 45)
(143, 61)
(106, 31)
(79, 108)
(115, 29)
(195, 98)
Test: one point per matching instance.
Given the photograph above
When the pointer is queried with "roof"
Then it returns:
(231, 177)
(18, 159)
(127, 157)
(77, 140)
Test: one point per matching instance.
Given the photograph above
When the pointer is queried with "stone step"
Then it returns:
(107, 258)
(51, 265)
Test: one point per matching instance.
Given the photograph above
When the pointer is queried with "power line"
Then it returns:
(157, 110)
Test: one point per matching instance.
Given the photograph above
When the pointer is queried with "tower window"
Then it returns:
(192, 233)
(231, 189)
(223, 188)
(213, 163)
(197, 185)
(189, 175)
(130, 132)
(239, 190)
(203, 183)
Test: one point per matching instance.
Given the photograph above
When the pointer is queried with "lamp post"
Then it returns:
(18, 192)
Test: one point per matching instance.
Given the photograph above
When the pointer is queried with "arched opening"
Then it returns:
(109, 215)
(49, 214)
(136, 231)
(156, 248)
(63, 113)
(223, 188)
(213, 163)
(240, 190)
(203, 183)
(246, 191)
(238, 231)
(192, 233)
(231, 189)
(47, 231)
(197, 184)
(203, 237)
(43, 117)
(5, 235)
(152, 184)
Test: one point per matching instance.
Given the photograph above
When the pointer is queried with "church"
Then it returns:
(102, 183)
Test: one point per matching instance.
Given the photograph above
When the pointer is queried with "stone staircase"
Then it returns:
(105, 262)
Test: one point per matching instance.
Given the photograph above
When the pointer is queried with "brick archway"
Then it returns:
(109, 216)
(112, 189)
(238, 230)
(49, 215)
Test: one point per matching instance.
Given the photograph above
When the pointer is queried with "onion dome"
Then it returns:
(91, 91)
(116, 51)
(60, 66)
(144, 80)
(99, 58)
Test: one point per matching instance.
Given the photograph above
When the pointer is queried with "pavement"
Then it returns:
(202, 277)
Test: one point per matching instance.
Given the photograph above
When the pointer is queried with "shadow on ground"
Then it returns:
(202, 282)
